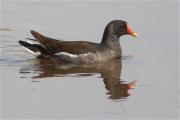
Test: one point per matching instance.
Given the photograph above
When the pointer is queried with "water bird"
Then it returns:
(80, 51)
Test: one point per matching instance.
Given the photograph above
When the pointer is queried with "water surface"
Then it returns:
(141, 85)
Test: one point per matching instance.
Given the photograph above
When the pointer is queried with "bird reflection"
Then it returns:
(110, 72)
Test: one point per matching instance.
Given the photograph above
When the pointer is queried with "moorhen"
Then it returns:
(80, 51)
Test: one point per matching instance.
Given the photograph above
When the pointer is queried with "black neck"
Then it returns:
(110, 40)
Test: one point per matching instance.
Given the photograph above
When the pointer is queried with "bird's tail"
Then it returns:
(34, 48)
(48, 43)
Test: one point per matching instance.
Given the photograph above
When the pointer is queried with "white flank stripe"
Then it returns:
(67, 54)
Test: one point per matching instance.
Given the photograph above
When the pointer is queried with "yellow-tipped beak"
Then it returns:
(134, 34)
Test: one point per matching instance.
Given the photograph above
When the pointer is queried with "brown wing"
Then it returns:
(73, 47)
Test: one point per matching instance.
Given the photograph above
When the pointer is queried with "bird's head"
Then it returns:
(118, 28)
